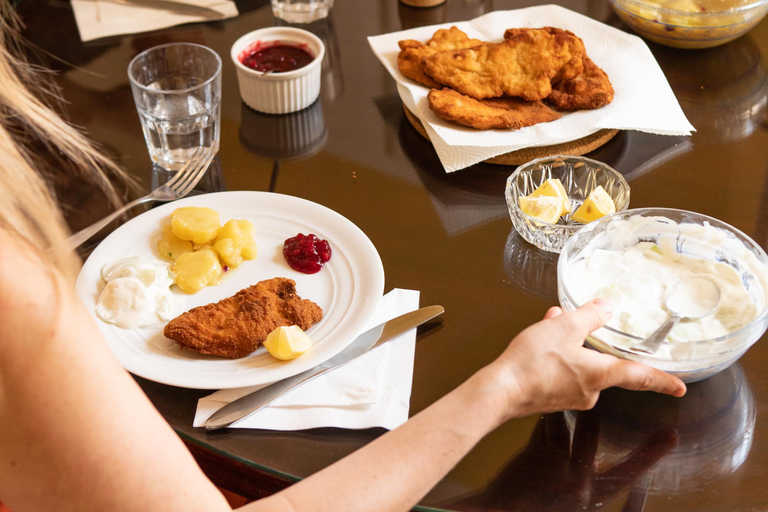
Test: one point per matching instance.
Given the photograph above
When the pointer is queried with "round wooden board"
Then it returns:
(573, 148)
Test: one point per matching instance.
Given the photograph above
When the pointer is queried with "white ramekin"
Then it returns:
(279, 93)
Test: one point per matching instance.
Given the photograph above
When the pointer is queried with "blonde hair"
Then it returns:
(28, 208)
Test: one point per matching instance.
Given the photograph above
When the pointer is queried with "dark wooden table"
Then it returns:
(450, 237)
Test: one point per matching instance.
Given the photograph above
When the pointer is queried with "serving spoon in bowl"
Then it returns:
(690, 299)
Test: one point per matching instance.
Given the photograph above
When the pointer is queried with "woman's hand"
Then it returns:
(546, 368)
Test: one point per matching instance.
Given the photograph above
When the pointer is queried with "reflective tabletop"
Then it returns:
(450, 237)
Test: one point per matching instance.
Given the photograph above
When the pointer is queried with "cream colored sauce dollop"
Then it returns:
(137, 293)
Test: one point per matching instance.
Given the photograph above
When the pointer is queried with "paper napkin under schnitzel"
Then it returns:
(374, 390)
(643, 99)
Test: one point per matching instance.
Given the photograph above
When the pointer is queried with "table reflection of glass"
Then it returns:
(556, 470)
(723, 90)
(715, 422)
(530, 268)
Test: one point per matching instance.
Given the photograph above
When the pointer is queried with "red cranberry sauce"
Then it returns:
(275, 56)
(306, 253)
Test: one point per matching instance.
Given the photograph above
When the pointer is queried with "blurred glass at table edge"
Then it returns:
(301, 11)
(177, 91)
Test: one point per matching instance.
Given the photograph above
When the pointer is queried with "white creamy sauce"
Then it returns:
(137, 293)
(637, 280)
(636, 276)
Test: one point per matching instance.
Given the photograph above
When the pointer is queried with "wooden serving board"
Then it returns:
(573, 148)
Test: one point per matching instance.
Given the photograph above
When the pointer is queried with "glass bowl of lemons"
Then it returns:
(551, 198)
(691, 23)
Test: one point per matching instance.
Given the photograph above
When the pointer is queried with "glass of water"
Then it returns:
(177, 90)
(301, 11)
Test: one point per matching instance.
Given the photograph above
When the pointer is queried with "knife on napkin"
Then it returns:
(370, 339)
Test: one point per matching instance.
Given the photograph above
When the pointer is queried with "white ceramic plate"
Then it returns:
(348, 288)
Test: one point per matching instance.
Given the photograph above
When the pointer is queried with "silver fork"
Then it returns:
(176, 188)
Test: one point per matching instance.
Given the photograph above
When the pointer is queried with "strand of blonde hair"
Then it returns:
(28, 208)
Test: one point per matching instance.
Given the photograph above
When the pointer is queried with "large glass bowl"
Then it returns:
(579, 176)
(691, 23)
(691, 234)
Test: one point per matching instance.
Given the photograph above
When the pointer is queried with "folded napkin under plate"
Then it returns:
(374, 390)
(104, 18)
(643, 100)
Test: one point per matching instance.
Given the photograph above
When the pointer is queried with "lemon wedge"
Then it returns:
(553, 187)
(287, 342)
(598, 204)
(544, 208)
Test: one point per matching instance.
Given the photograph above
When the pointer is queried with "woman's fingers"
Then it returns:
(638, 377)
(553, 312)
(582, 321)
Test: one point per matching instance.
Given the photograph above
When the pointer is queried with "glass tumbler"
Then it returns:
(177, 90)
(301, 11)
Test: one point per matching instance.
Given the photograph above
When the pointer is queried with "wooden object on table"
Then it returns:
(422, 3)
(573, 148)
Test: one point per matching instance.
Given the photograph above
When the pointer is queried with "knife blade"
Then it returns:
(369, 340)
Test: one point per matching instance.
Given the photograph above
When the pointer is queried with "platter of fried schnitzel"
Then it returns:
(538, 77)
(347, 289)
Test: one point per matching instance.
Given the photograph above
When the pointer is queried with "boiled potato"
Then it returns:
(235, 242)
(195, 223)
(202, 249)
(194, 271)
(170, 246)
(228, 252)
(249, 232)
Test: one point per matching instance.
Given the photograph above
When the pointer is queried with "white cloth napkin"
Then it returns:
(643, 98)
(374, 390)
(103, 18)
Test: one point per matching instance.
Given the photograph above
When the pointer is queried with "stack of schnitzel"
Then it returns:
(523, 80)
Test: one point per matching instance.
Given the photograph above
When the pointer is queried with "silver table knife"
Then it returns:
(370, 339)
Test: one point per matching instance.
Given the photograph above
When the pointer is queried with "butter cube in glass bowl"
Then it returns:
(579, 176)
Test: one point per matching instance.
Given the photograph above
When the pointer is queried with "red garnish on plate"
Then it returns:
(306, 253)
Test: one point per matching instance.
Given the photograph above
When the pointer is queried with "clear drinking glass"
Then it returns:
(177, 90)
(301, 11)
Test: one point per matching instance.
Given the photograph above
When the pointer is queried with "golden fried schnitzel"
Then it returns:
(510, 113)
(411, 52)
(236, 326)
(567, 72)
(524, 65)
(590, 90)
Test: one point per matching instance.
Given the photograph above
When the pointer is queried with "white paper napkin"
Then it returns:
(103, 18)
(374, 390)
(643, 98)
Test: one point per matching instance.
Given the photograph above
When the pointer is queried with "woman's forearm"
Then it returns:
(396, 470)
(545, 368)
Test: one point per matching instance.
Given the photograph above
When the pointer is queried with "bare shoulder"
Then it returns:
(25, 277)
(16, 256)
